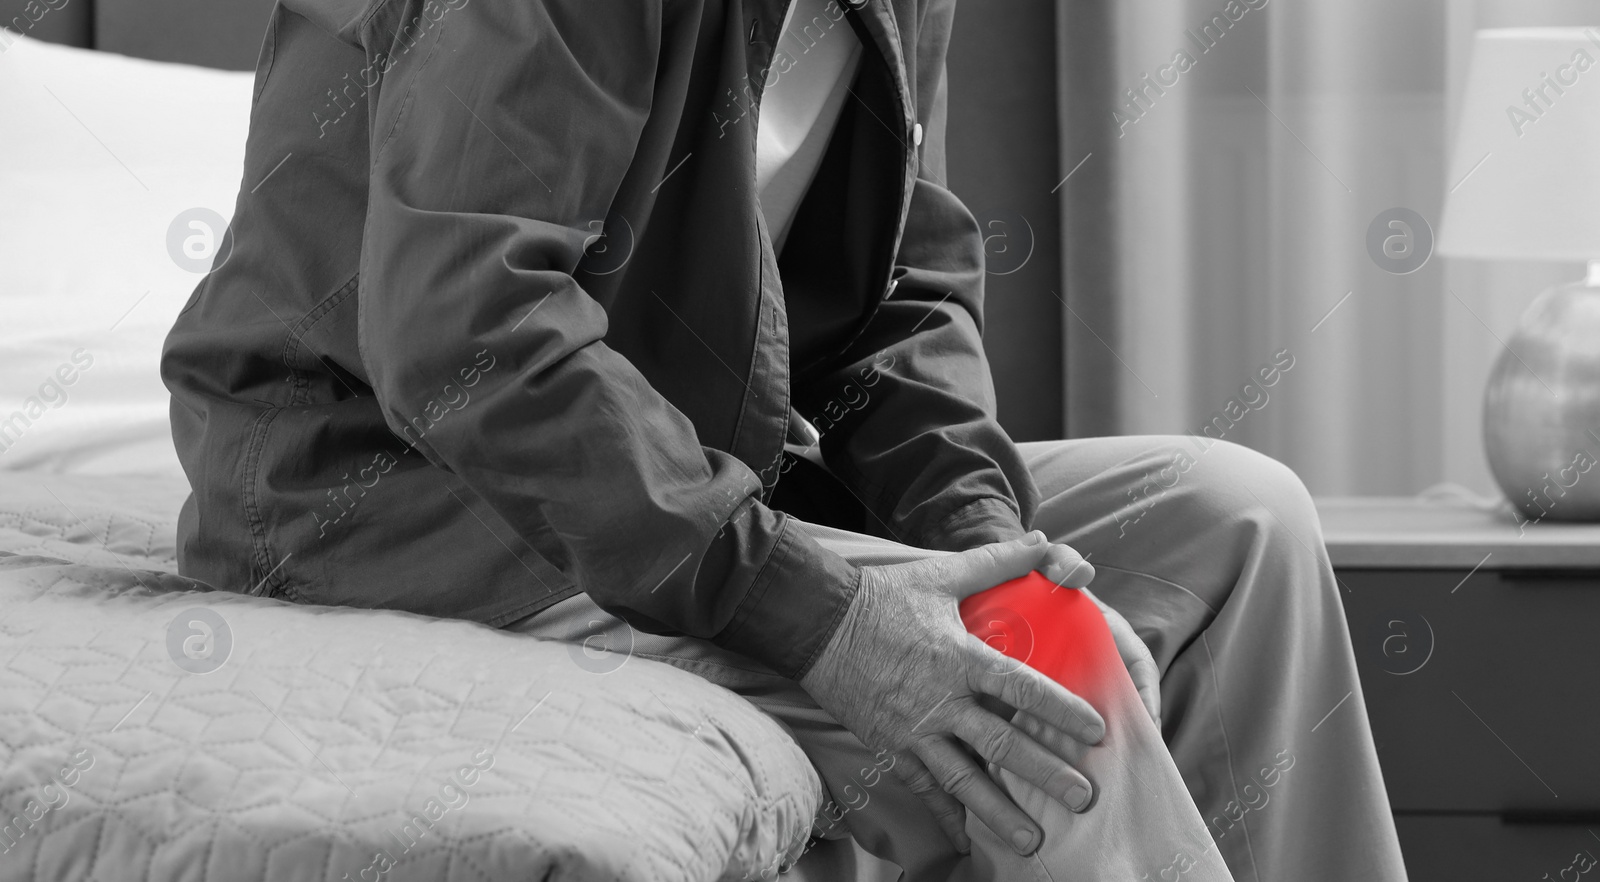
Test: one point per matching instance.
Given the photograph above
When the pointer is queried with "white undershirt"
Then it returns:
(812, 65)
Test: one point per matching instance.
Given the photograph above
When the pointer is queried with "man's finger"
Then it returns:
(1066, 567)
(1049, 736)
(1136, 657)
(965, 780)
(986, 566)
(1144, 673)
(1011, 749)
(946, 809)
(1147, 680)
(1025, 689)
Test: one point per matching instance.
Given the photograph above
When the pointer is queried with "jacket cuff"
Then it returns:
(794, 605)
(979, 522)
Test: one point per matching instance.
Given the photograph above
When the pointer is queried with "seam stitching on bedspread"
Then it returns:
(21, 519)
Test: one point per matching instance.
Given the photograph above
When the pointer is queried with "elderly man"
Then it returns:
(527, 297)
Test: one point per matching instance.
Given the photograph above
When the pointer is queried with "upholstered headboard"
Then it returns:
(214, 33)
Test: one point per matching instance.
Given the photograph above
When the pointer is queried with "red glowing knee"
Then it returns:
(1054, 630)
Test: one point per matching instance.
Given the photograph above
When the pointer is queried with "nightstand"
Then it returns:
(1478, 644)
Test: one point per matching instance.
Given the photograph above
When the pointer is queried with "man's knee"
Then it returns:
(1238, 485)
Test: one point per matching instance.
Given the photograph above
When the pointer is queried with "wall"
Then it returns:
(1002, 145)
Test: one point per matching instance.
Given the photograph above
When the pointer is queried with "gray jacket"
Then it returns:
(501, 321)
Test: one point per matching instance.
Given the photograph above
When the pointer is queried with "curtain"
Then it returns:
(1223, 160)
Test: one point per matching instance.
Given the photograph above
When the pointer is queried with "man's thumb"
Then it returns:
(986, 566)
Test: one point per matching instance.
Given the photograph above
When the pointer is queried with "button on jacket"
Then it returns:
(501, 321)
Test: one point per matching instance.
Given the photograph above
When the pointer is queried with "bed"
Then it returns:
(153, 728)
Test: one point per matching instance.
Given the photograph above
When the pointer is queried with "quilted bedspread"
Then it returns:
(151, 729)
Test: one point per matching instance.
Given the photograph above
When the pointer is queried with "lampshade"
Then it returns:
(1525, 175)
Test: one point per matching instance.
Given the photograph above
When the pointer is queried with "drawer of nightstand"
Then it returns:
(1452, 848)
(1484, 694)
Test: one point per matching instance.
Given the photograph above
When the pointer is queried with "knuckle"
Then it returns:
(960, 780)
(998, 744)
(923, 784)
(1026, 691)
(910, 770)
(980, 661)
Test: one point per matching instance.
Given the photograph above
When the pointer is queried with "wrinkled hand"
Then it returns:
(903, 674)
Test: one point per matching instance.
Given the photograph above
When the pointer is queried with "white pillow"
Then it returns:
(99, 154)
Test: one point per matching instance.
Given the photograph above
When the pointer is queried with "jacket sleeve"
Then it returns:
(908, 414)
(497, 134)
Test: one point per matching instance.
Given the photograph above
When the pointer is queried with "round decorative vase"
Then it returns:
(1541, 409)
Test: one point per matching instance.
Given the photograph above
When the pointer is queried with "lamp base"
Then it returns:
(1541, 409)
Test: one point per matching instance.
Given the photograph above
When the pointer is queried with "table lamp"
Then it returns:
(1525, 185)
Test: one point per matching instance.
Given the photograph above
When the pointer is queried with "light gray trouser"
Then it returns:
(1264, 759)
